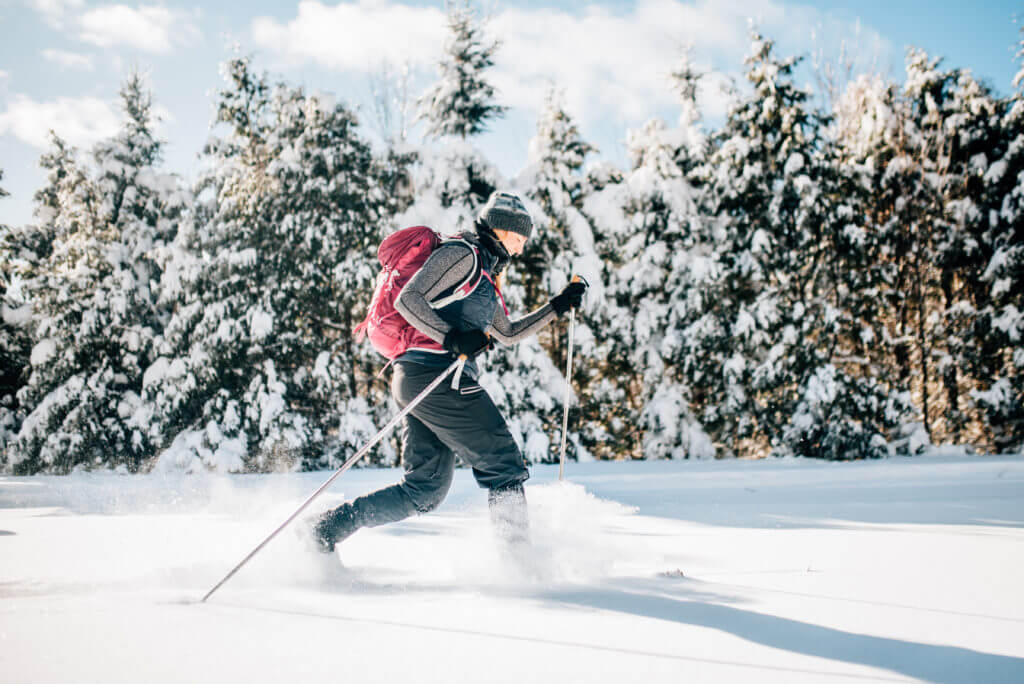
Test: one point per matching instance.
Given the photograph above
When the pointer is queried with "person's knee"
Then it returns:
(499, 474)
(428, 495)
(428, 501)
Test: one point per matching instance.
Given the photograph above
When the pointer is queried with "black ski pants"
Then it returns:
(446, 422)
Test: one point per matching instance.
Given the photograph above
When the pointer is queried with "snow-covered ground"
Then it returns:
(774, 571)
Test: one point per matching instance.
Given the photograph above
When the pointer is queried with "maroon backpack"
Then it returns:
(401, 255)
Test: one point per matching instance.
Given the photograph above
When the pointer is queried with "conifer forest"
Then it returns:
(835, 281)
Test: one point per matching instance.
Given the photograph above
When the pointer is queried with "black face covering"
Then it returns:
(489, 239)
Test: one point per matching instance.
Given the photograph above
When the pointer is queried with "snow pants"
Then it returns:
(446, 422)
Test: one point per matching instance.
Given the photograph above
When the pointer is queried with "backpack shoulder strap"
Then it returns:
(461, 289)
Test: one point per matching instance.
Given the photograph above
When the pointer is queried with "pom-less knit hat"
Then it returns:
(505, 211)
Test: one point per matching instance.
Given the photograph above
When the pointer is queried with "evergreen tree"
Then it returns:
(96, 318)
(922, 215)
(462, 101)
(553, 180)
(259, 359)
(651, 237)
(562, 243)
(945, 132)
(864, 269)
(1000, 329)
(16, 258)
(761, 359)
(964, 249)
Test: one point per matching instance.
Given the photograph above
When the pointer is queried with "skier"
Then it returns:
(462, 320)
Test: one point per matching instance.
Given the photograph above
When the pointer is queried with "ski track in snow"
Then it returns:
(729, 571)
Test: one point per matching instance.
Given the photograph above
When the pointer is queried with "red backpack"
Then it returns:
(401, 255)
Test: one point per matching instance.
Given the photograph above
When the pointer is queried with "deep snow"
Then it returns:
(738, 571)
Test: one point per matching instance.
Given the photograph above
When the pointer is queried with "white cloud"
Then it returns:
(611, 63)
(70, 60)
(355, 36)
(4, 74)
(57, 13)
(79, 120)
(148, 28)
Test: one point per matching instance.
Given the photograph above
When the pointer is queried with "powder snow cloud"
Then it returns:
(610, 62)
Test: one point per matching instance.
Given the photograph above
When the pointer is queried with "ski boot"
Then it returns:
(511, 521)
(324, 531)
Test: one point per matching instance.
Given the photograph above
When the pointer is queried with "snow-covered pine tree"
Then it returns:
(671, 429)
(944, 139)
(964, 248)
(999, 337)
(652, 240)
(259, 360)
(16, 253)
(864, 133)
(96, 317)
(553, 179)
(923, 211)
(24, 253)
(462, 100)
(761, 359)
(562, 243)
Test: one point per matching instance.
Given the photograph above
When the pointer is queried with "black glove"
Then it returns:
(469, 342)
(569, 298)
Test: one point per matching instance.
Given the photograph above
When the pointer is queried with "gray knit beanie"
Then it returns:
(505, 211)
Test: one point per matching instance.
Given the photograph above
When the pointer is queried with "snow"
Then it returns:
(727, 571)
(43, 351)
(794, 164)
(261, 323)
(1010, 321)
(16, 317)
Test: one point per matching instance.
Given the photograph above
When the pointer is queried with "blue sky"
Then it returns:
(61, 61)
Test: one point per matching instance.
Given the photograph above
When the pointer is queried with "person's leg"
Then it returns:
(429, 468)
(509, 513)
(467, 421)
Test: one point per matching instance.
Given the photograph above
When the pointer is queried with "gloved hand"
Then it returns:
(569, 298)
(469, 342)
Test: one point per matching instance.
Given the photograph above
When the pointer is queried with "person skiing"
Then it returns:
(454, 300)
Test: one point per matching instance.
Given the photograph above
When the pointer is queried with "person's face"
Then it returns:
(514, 242)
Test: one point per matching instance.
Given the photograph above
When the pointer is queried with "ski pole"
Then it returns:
(345, 466)
(568, 381)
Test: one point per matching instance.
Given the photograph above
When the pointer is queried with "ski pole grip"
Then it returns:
(577, 278)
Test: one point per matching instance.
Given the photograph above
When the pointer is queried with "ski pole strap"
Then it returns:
(457, 376)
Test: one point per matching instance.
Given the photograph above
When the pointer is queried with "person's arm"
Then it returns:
(445, 268)
(509, 332)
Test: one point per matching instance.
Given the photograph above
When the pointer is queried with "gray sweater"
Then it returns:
(449, 265)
